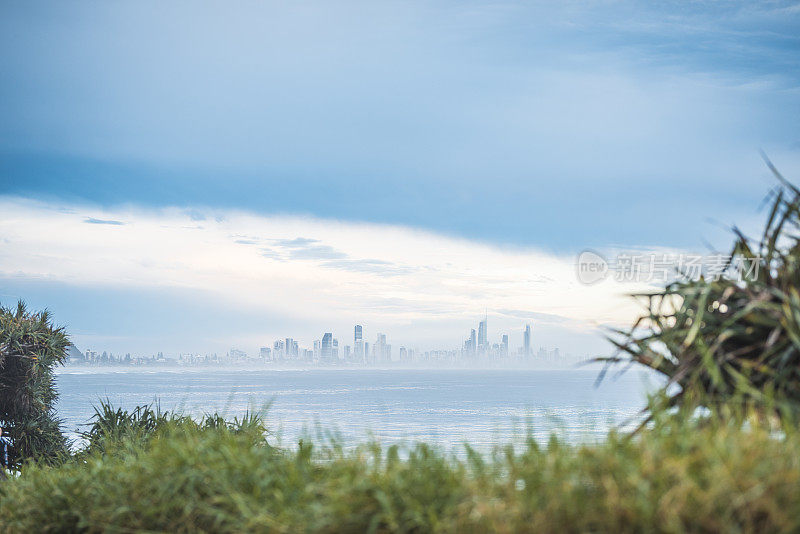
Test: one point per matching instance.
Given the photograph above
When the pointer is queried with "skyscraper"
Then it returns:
(472, 342)
(504, 345)
(291, 348)
(526, 345)
(358, 343)
(483, 334)
(326, 352)
(381, 351)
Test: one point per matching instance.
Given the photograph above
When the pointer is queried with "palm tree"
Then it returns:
(30, 348)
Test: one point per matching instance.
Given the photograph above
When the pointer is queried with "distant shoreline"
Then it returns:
(175, 367)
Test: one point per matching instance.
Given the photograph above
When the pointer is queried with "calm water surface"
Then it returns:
(447, 407)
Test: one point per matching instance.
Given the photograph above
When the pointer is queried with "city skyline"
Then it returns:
(328, 350)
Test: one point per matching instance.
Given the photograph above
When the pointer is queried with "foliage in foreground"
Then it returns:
(112, 427)
(675, 476)
(729, 341)
(30, 347)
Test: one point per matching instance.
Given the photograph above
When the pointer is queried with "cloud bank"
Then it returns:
(320, 275)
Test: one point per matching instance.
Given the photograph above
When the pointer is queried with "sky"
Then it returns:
(287, 169)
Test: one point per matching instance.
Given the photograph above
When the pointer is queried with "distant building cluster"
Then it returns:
(109, 358)
(480, 347)
(328, 351)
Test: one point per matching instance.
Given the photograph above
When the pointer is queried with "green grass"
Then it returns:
(675, 476)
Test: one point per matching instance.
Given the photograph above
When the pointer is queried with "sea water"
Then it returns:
(445, 407)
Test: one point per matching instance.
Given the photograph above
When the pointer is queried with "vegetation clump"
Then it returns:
(731, 339)
(111, 427)
(30, 348)
(675, 476)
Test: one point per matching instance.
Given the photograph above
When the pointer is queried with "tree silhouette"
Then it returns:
(30, 348)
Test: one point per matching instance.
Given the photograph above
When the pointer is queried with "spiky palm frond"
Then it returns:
(730, 340)
(30, 348)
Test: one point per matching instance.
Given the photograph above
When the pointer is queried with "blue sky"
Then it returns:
(524, 125)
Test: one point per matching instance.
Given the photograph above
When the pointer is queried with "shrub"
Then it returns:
(678, 475)
(30, 347)
(730, 341)
(111, 428)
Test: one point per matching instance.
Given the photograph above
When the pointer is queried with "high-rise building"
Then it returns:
(381, 352)
(358, 343)
(526, 343)
(504, 346)
(326, 351)
(291, 349)
(472, 342)
(483, 334)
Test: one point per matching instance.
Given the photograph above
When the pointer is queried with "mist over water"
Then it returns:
(442, 407)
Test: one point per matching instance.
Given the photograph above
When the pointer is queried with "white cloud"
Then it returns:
(324, 272)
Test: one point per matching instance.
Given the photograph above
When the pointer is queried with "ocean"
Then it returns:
(445, 407)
